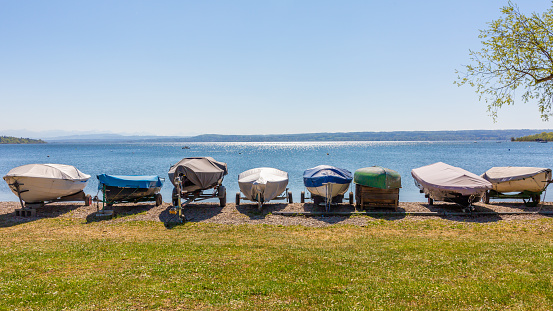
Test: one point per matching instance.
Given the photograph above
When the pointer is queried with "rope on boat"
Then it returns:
(126, 197)
(129, 195)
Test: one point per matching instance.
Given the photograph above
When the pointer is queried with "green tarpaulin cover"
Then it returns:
(377, 177)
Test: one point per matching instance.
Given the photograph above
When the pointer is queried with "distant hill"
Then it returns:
(15, 140)
(544, 136)
(466, 135)
(106, 138)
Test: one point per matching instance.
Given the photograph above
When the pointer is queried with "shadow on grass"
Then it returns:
(193, 212)
(51, 210)
(121, 211)
(385, 213)
(455, 212)
(350, 208)
(251, 210)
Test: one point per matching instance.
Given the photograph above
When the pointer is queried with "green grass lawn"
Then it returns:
(390, 265)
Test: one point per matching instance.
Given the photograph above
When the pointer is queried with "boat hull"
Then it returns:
(329, 190)
(262, 184)
(37, 189)
(261, 192)
(199, 173)
(327, 181)
(377, 177)
(116, 194)
(439, 194)
(536, 183)
(443, 182)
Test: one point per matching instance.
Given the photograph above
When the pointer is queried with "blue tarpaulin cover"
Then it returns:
(322, 174)
(130, 181)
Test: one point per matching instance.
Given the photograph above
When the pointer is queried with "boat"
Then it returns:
(326, 184)
(192, 176)
(130, 188)
(512, 182)
(377, 177)
(262, 185)
(376, 186)
(41, 183)
(443, 182)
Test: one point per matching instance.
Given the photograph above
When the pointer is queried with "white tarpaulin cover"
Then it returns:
(55, 171)
(35, 183)
(444, 177)
(508, 173)
(263, 183)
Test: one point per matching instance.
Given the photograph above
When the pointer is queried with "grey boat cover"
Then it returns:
(263, 183)
(203, 172)
(497, 175)
(53, 171)
(444, 177)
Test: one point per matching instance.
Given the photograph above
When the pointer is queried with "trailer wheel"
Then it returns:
(290, 200)
(223, 197)
(317, 200)
(351, 198)
(87, 200)
(533, 201)
(486, 197)
(159, 199)
(430, 201)
(302, 197)
(237, 198)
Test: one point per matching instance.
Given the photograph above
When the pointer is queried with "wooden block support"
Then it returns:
(375, 197)
(26, 212)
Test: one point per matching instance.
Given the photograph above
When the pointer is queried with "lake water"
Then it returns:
(293, 157)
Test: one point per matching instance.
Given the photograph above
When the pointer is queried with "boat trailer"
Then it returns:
(530, 199)
(219, 191)
(29, 209)
(128, 197)
(317, 199)
(287, 196)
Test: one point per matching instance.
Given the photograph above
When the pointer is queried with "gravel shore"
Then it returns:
(249, 214)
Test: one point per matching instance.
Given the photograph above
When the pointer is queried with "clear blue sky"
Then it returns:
(245, 67)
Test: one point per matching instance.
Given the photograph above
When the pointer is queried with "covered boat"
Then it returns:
(38, 183)
(191, 176)
(327, 183)
(443, 182)
(198, 173)
(130, 188)
(263, 184)
(526, 183)
(377, 177)
(518, 179)
(377, 186)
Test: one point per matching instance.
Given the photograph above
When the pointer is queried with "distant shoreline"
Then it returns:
(10, 140)
(464, 135)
